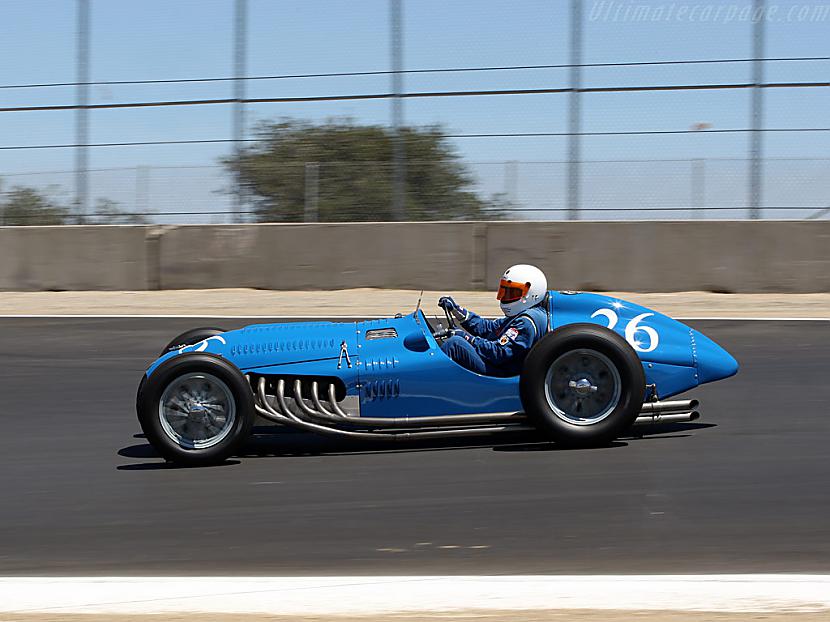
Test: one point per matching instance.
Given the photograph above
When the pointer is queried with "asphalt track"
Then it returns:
(745, 489)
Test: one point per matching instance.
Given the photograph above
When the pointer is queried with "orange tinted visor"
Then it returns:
(510, 291)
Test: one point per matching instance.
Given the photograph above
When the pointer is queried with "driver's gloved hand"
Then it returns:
(447, 303)
(457, 332)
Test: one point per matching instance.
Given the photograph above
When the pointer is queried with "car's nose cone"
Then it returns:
(713, 362)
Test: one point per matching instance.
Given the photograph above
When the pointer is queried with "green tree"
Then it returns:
(23, 205)
(346, 171)
(109, 212)
(27, 206)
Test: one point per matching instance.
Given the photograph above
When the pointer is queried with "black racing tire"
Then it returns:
(557, 399)
(189, 337)
(204, 370)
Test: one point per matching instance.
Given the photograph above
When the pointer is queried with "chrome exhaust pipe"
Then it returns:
(317, 412)
(677, 406)
(438, 421)
(269, 413)
(673, 417)
(281, 413)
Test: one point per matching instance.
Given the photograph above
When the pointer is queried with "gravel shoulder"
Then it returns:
(569, 615)
(379, 302)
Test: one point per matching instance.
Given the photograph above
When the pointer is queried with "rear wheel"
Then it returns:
(583, 385)
(196, 409)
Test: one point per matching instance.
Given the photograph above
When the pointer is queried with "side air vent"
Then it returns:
(381, 333)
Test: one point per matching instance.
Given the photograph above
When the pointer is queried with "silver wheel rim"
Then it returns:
(583, 387)
(197, 410)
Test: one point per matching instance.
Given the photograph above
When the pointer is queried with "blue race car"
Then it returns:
(603, 366)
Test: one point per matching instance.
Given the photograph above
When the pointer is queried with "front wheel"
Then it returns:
(583, 385)
(196, 409)
(191, 337)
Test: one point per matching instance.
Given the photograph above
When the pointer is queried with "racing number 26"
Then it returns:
(631, 329)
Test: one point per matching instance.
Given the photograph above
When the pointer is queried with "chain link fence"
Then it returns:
(598, 84)
(699, 188)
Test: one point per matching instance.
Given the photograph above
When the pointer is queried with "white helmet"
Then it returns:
(521, 287)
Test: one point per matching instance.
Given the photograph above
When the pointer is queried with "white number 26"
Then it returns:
(631, 329)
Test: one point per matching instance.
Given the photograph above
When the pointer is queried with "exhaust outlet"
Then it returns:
(667, 418)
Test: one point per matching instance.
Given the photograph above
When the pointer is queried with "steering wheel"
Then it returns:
(450, 320)
(445, 332)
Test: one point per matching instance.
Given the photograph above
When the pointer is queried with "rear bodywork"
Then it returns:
(394, 369)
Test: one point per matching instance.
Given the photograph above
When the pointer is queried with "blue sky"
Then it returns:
(156, 39)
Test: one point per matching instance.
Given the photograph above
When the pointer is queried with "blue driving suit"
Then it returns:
(498, 347)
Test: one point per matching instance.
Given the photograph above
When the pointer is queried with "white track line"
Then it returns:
(379, 595)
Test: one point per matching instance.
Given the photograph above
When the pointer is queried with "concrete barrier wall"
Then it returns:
(321, 256)
(73, 258)
(756, 256)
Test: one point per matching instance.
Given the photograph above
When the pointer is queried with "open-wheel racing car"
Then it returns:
(603, 365)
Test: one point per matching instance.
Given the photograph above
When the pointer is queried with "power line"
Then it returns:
(164, 167)
(661, 209)
(111, 169)
(414, 71)
(478, 135)
(637, 132)
(425, 94)
(128, 144)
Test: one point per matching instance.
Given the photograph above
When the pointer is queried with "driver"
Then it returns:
(499, 347)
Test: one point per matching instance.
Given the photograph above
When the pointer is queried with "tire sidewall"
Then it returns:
(599, 339)
(152, 388)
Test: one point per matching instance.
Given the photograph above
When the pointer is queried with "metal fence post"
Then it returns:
(756, 135)
(698, 186)
(240, 71)
(574, 128)
(82, 112)
(398, 148)
(511, 181)
(312, 192)
(142, 190)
